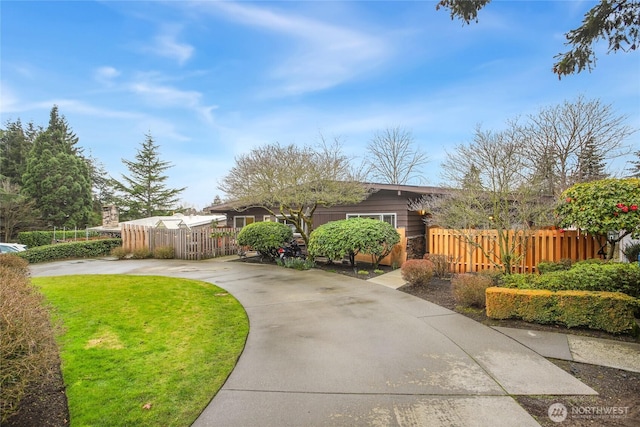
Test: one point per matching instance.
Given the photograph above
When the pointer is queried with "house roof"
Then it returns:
(221, 207)
(417, 189)
(414, 189)
(176, 221)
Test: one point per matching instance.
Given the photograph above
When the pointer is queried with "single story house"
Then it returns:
(386, 202)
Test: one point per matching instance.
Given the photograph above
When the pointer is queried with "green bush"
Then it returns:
(496, 276)
(27, 345)
(441, 264)
(350, 237)
(296, 263)
(584, 276)
(519, 281)
(550, 266)
(164, 252)
(85, 249)
(469, 289)
(632, 251)
(42, 238)
(265, 237)
(417, 271)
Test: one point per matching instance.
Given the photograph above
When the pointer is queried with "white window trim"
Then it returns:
(380, 215)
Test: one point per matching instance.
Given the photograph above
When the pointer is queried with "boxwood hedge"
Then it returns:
(84, 249)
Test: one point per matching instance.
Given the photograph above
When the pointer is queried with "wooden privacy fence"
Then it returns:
(475, 250)
(398, 254)
(190, 244)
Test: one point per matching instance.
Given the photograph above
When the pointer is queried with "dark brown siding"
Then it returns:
(383, 202)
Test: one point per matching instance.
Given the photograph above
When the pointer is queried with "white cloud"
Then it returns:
(168, 96)
(167, 45)
(325, 55)
(105, 75)
(8, 100)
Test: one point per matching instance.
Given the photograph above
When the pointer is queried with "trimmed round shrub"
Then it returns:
(350, 237)
(417, 271)
(469, 290)
(265, 237)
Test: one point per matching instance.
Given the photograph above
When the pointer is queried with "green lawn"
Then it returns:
(143, 350)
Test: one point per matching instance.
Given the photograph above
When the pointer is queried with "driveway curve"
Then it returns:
(328, 350)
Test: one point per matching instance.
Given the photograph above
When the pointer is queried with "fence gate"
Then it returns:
(189, 244)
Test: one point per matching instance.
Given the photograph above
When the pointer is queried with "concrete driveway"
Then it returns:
(328, 350)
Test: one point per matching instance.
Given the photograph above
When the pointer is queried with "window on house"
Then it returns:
(281, 220)
(241, 221)
(386, 217)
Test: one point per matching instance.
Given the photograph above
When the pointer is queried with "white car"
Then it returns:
(12, 247)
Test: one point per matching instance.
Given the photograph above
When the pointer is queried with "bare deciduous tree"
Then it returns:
(561, 137)
(492, 188)
(292, 181)
(393, 157)
(17, 211)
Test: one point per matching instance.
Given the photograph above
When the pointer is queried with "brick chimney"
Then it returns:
(110, 216)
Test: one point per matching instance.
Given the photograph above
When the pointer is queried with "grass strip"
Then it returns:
(143, 350)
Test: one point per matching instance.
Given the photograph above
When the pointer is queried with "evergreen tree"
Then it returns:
(635, 169)
(15, 144)
(102, 187)
(61, 137)
(57, 177)
(591, 166)
(144, 192)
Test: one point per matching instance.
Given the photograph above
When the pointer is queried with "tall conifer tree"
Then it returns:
(144, 192)
(15, 144)
(57, 177)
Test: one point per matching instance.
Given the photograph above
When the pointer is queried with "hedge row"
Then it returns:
(34, 239)
(608, 277)
(27, 344)
(609, 311)
(85, 249)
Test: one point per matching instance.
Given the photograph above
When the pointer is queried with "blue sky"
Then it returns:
(212, 80)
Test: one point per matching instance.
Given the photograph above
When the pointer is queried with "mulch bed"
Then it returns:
(615, 387)
(44, 405)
